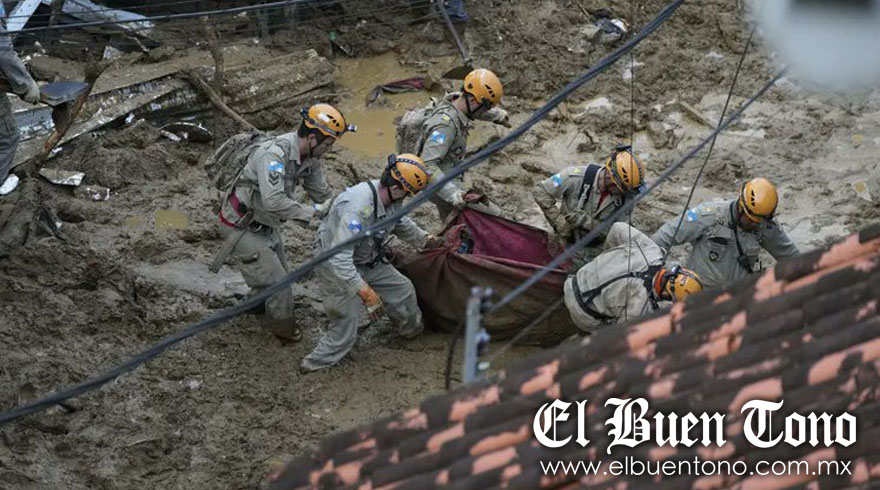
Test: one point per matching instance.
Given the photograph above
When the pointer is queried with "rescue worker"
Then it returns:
(443, 140)
(578, 198)
(360, 275)
(627, 281)
(263, 197)
(21, 83)
(728, 235)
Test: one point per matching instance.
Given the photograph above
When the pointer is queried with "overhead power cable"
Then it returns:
(297, 274)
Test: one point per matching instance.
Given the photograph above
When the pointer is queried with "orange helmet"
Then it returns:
(626, 170)
(681, 282)
(409, 171)
(326, 119)
(484, 86)
(758, 199)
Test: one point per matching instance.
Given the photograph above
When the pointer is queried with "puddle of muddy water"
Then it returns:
(375, 136)
(166, 219)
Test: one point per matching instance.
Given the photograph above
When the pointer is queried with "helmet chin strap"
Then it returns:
(658, 283)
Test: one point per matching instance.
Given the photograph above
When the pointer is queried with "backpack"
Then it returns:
(226, 163)
(411, 126)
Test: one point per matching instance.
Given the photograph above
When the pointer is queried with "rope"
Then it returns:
(687, 203)
(297, 274)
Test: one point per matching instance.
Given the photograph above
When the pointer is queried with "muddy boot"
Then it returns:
(287, 331)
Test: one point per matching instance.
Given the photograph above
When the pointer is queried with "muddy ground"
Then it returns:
(224, 408)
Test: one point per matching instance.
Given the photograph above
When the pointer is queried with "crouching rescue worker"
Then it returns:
(261, 197)
(627, 281)
(578, 198)
(443, 137)
(359, 276)
(728, 235)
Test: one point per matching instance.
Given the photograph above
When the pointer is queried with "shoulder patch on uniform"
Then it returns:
(445, 118)
(355, 226)
(365, 211)
(576, 170)
(556, 180)
(437, 137)
(275, 166)
(691, 215)
(706, 210)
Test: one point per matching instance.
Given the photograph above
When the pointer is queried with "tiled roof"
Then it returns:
(806, 332)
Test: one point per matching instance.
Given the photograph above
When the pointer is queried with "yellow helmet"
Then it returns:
(758, 200)
(484, 86)
(625, 169)
(326, 119)
(409, 171)
(681, 282)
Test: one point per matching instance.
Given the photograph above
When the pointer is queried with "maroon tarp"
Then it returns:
(503, 254)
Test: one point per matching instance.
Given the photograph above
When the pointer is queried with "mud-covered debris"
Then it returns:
(861, 190)
(62, 177)
(188, 131)
(695, 114)
(93, 192)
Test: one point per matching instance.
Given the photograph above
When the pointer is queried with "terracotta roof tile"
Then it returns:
(806, 332)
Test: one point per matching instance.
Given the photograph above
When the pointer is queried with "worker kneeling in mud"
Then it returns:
(577, 199)
(263, 173)
(627, 281)
(728, 235)
(360, 275)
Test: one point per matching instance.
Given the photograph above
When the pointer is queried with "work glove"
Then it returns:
(372, 302)
(435, 241)
(322, 208)
(458, 200)
(562, 227)
(32, 96)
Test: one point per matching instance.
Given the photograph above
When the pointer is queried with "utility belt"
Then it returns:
(241, 209)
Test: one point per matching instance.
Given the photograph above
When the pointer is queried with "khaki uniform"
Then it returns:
(266, 186)
(14, 71)
(344, 274)
(580, 203)
(625, 298)
(711, 228)
(443, 145)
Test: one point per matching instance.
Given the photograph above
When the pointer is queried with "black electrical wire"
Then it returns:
(295, 275)
(687, 203)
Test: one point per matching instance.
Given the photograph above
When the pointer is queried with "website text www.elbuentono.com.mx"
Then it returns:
(630, 466)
